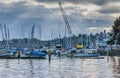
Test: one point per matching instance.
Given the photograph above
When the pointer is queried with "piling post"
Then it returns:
(49, 55)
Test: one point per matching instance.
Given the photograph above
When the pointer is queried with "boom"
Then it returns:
(66, 22)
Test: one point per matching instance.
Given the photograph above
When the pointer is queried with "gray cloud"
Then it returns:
(97, 2)
(15, 14)
(110, 10)
(10, 12)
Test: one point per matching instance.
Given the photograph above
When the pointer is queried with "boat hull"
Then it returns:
(86, 55)
(22, 57)
(31, 55)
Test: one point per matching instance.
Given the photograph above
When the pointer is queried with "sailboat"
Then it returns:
(21, 53)
(32, 53)
(80, 51)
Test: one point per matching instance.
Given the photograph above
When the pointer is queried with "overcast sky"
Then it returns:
(84, 16)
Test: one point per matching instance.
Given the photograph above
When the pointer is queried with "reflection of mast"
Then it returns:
(66, 22)
(31, 67)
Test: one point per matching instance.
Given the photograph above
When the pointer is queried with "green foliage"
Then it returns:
(118, 39)
(116, 30)
(110, 42)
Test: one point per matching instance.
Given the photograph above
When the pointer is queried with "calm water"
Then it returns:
(60, 68)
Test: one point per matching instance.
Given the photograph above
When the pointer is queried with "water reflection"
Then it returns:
(31, 69)
(7, 67)
(60, 68)
(116, 66)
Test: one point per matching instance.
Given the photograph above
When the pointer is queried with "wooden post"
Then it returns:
(49, 55)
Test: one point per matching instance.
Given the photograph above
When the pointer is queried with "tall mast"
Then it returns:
(81, 39)
(32, 36)
(21, 42)
(59, 33)
(66, 41)
(66, 22)
(39, 35)
(5, 32)
(8, 38)
(39, 32)
(51, 44)
(29, 41)
(2, 31)
(22, 36)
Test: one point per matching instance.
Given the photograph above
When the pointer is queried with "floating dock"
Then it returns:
(1, 57)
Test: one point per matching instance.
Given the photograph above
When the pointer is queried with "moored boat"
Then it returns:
(20, 53)
(84, 53)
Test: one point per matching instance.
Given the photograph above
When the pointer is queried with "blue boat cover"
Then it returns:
(20, 49)
(36, 53)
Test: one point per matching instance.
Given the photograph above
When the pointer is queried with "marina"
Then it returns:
(59, 39)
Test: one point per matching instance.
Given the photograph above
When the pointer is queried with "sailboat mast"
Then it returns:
(2, 31)
(21, 42)
(5, 32)
(51, 44)
(39, 35)
(8, 38)
(32, 36)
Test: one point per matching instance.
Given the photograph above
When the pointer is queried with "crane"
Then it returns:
(66, 22)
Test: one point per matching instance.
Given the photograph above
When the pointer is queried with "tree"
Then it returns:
(110, 42)
(116, 30)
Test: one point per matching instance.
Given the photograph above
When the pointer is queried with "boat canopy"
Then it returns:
(20, 49)
(59, 46)
(79, 46)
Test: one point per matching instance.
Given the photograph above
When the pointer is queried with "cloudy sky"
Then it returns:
(84, 16)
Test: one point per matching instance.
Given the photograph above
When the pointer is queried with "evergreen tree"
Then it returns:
(116, 30)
